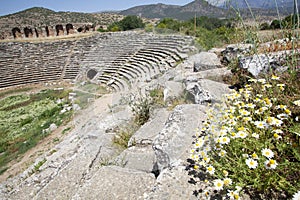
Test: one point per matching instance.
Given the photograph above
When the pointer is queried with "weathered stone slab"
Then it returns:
(173, 90)
(174, 141)
(140, 158)
(205, 60)
(146, 134)
(216, 89)
(112, 182)
(173, 184)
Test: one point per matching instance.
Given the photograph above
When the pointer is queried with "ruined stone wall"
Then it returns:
(47, 31)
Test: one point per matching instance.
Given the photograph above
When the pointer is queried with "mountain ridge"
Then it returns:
(198, 7)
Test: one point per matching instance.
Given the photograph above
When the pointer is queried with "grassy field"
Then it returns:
(25, 120)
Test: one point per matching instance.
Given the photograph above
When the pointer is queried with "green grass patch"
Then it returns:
(25, 119)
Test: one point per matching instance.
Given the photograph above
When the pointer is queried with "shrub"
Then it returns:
(127, 23)
(141, 109)
(247, 143)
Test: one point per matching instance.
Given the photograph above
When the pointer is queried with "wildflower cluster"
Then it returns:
(246, 145)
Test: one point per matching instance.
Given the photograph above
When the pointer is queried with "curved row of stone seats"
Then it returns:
(157, 54)
(32, 62)
(130, 56)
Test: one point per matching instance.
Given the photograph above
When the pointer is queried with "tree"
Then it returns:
(276, 24)
(131, 22)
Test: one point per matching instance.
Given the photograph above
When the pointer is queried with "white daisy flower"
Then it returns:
(278, 131)
(252, 164)
(267, 153)
(275, 77)
(271, 164)
(218, 184)
(224, 140)
(241, 134)
(261, 124)
(210, 169)
(222, 153)
(227, 181)
(244, 112)
(281, 107)
(283, 116)
(262, 80)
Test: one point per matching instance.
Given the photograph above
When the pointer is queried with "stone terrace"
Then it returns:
(117, 58)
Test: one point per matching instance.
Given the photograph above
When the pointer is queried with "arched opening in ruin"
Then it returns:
(91, 74)
(47, 31)
(16, 32)
(69, 28)
(80, 29)
(28, 32)
(59, 29)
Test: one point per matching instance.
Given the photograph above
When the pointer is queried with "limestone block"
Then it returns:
(175, 140)
(146, 134)
(173, 90)
(204, 61)
(138, 158)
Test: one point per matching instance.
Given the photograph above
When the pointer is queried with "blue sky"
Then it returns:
(12, 6)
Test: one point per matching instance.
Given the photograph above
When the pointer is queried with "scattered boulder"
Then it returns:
(263, 63)
(195, 93)
(216, 89)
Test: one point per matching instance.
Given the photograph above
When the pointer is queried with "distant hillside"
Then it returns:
(282, 5)
(39, 17)
(198, 7)
(212, 8)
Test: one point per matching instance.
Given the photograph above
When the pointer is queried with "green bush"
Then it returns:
(127, 23)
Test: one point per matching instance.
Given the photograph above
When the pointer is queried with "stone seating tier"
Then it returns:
(128, 55)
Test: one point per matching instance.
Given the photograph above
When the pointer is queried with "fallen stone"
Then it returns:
(196, 94)
(216, 89)
(52, 127)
